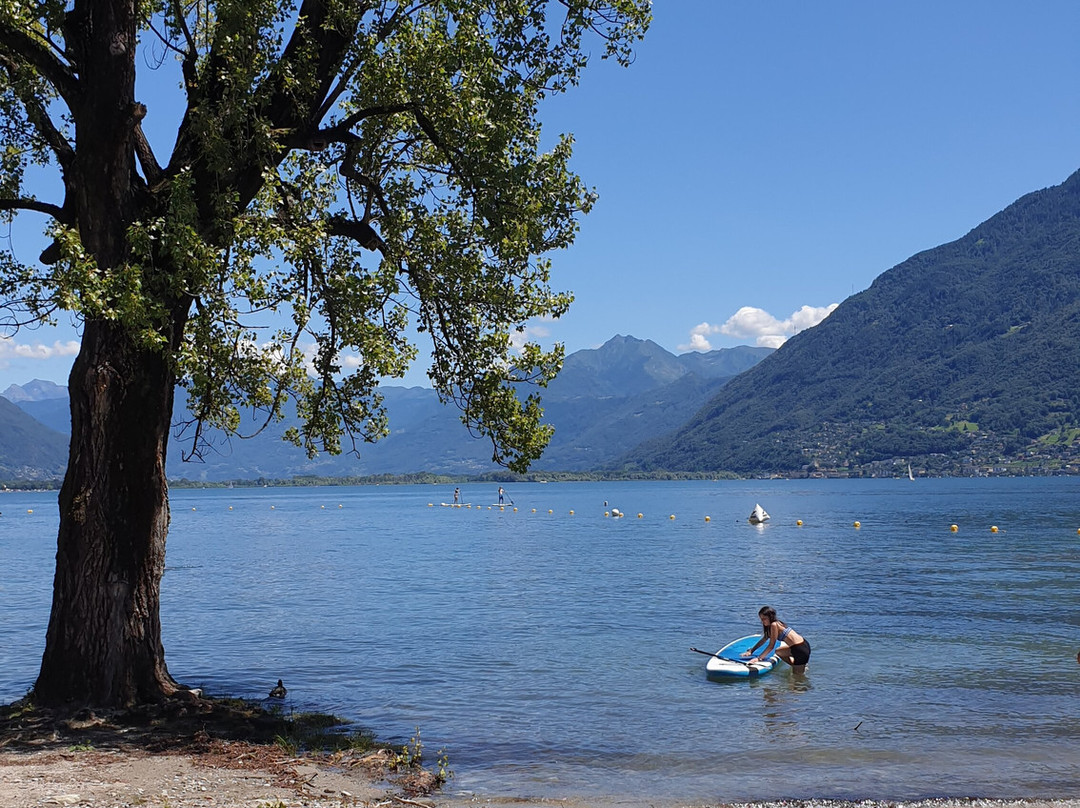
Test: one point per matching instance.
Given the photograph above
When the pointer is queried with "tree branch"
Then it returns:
(36, 114)
(51, 69)
(150, 166)
(47, 208)
(359, 231)
(341, 132)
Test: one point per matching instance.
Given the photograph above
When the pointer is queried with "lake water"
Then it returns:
(545, 646)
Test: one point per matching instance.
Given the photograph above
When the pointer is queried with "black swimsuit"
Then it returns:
(800, 654)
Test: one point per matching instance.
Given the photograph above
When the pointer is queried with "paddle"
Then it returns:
(717, 655)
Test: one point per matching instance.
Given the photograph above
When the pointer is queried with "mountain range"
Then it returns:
(606, 401)
(963, 359)
(965, 355)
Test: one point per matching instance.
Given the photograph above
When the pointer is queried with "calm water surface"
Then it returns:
(547, 651)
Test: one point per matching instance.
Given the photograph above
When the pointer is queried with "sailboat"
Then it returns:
(758, 515)
(910, 476)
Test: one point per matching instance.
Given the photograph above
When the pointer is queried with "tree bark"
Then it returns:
(103, 645)
(104, 639)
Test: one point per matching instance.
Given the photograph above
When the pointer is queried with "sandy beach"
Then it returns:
(242, 775)
(229, 774)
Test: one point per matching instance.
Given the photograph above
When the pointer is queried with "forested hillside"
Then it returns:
(28, 449)
(966, 354)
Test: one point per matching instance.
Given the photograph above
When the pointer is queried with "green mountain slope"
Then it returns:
(969, 351)
(29, 450)
(609, 399)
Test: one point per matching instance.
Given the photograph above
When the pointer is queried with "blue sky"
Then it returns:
(762, 161)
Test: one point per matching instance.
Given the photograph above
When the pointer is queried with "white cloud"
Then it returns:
(37, 351)
(350, 361)
(751, 323)
(699, 338)
(531, 333)
(809, 316)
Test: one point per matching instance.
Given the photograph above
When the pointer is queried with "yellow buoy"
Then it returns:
(230, 507)
(672, 516)
(953, 528)
(550, 511)
(29, 510)
(534, 510)
(798, 522)
(515, 510)
(707, 519)
(993, 528)
(606, 513)
(639, 516)
(571, 513)
(192, 509)
(858, 524)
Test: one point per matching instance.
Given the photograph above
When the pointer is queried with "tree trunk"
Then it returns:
(104, 639)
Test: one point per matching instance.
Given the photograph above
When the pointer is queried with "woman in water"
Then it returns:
(784, 641)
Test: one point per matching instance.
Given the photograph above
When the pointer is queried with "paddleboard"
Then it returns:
(727, 663)
(456, 504)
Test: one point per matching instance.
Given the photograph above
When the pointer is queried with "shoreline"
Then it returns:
(236, 774)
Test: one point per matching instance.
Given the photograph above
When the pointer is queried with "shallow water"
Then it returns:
(547, 652)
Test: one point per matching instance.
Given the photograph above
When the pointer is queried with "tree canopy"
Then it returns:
(355, 169)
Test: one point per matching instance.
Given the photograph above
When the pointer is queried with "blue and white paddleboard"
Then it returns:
(727, 662)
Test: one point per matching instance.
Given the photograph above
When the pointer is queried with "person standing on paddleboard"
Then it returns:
(784, 641)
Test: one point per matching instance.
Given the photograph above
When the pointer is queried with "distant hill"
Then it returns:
(55, 413)
(969, 351)
(29, 450)
(606, 401)
(37, 390)
(612, 398)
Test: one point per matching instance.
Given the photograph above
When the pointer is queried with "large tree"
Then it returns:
(344, 174)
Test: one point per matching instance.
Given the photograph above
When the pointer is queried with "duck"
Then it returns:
(279, 691)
